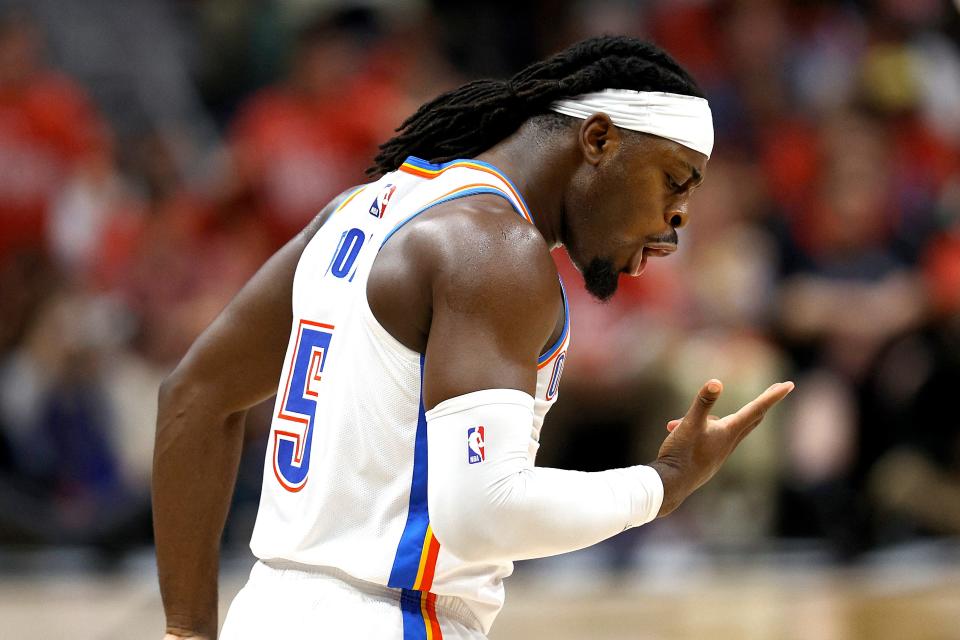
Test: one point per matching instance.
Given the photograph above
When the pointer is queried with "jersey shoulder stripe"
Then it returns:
(429, 170)
(557, 346)
(459, 192)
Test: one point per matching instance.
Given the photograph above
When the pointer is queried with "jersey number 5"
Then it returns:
(291, 448)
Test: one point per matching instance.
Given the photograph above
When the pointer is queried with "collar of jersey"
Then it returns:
(420, 166)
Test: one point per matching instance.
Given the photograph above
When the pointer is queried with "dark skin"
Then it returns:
(438, 287)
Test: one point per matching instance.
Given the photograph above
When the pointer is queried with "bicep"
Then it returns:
(489, 322)
(466, 353)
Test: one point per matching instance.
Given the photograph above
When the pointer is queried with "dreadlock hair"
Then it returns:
(466, 121)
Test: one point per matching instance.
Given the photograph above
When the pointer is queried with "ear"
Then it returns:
(598, 138)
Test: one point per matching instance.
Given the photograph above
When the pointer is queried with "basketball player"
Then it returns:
(418, 331)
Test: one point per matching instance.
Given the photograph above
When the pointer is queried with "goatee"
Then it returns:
(601, 279)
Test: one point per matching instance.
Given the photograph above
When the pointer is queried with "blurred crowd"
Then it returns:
(154, 154)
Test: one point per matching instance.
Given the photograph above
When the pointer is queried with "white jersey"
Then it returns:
(345, 479)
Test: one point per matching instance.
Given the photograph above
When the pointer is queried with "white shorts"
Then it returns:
(288, 600)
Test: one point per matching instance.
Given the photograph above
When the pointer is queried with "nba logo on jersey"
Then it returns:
(379, 206)
(475, 452)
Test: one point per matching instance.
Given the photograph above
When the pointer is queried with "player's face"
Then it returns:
(626, 203)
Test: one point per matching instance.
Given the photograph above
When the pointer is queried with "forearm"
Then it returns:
(543, 512)
(503, 508)
(195, 464)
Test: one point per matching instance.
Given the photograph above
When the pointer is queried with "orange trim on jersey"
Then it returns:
(431, 566)
(560, 348)
(348, 199)
(428, 561)
(466, 187)
(430, 174)
(428, 607)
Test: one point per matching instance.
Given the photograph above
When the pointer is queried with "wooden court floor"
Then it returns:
(899, 602)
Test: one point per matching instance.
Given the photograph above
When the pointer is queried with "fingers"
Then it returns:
(744, 420)
(700, 409)
(750, 415)
(673, 424)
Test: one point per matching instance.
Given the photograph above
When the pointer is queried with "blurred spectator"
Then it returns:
(913, 449)
(63, 482)
(841, 262)
(204, 251)
(297, 144)
(846, 292)
(48, 130)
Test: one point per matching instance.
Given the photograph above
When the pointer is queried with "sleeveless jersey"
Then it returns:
(345, 477)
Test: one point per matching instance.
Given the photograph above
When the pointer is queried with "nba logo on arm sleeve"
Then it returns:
(475, 451)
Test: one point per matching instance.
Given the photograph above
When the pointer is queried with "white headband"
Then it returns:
(684, 119)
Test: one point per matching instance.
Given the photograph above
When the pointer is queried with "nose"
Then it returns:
(676, 218)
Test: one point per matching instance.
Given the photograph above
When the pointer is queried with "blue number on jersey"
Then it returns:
(555, 376)
(347, 251)
(291, 449)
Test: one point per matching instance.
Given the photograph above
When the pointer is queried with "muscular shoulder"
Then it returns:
(486, 257)
(473, 286)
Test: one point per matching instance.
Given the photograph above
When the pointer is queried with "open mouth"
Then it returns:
(651, 249)
(659, 249)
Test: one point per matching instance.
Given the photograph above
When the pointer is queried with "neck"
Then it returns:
(541, 167)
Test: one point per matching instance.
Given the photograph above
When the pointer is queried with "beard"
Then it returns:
(600, 279)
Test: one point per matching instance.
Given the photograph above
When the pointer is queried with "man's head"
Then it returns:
(626, 192)
(628, 196)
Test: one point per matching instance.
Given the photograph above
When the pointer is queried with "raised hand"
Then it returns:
(699, 443)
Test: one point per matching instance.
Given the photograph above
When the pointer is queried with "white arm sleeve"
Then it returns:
(487, 501)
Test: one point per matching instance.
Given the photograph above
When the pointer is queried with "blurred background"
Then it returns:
(153, 153)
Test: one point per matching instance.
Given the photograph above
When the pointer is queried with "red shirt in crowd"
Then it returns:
(47, 127)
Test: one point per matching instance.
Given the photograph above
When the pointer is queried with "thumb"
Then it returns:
(703, 403)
